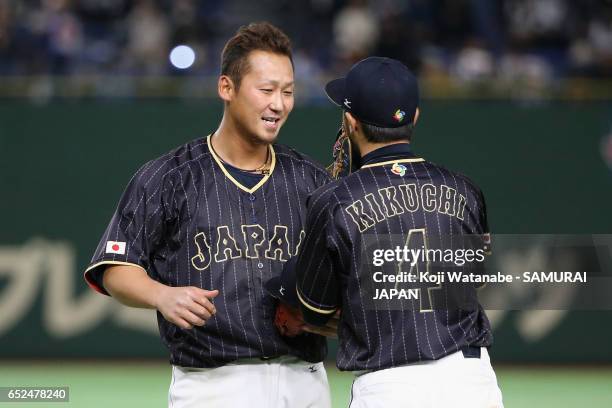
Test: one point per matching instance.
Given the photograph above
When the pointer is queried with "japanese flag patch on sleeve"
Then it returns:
(115, 247)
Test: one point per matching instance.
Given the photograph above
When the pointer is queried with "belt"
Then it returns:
(471, 351)
(467, 351)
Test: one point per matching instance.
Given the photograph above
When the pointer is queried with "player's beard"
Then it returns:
(253, 138)
(258, 140)
(355, 154)
(349, 132)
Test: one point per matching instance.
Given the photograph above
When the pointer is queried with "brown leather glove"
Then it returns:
(342, 154)
(288, 320)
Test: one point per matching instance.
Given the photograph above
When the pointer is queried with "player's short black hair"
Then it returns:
(255, 36)
(377, 134)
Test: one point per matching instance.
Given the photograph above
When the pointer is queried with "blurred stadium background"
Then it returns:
(516, 94)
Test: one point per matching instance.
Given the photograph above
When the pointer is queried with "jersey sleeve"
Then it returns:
(476, 220)
(313, 173)
(321, 177)
(135, 229)
(317, 274)
(482, 231)
(484, 225)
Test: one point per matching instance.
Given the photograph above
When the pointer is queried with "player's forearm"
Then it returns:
(132, 286)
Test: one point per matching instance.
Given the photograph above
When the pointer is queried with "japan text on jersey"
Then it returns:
(186, 221)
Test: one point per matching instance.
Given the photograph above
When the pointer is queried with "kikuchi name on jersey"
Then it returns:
(395, 200)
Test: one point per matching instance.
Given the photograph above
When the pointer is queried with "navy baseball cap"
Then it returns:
(378, 91)
(282, 287)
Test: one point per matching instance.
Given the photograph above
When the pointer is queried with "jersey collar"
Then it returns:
(395, 153)
(236, 182)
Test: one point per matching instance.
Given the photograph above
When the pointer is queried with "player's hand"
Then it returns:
(329, 330)
(186, 306)
(288, 320)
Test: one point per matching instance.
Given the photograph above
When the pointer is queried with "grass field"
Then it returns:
(94, 385)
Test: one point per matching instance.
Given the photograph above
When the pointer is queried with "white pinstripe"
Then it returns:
(156, 185)
(213, 319)
(446, 298)
(356, 264)
(233, 264)
(400, 223)
(323, 205)
(375, 231)
(450, 335)
(210, 229)
(242, 222)
(425, 315)
(469, 314)
(229, 321)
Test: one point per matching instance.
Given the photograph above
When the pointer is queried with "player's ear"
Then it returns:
(225, 88)
(416, 116)
(351, 122)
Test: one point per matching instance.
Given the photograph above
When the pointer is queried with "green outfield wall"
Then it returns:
(543, 168)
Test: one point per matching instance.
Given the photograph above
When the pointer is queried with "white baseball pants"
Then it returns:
(451, 382)
(285, 382)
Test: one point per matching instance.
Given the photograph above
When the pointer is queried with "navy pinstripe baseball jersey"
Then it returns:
(393, 194)
(185, 220)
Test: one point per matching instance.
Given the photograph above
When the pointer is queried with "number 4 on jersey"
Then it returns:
(417, 240)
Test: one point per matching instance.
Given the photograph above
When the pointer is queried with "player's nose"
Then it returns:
(277, 104)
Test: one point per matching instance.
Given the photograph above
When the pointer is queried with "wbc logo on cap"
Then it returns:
(399, 115)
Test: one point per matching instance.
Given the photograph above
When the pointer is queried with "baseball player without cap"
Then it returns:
(377, 91)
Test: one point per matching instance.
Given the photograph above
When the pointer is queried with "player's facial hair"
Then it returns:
(253, 139)
(248, 136)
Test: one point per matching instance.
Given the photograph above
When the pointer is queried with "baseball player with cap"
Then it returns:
(199, 231)
(423, 350)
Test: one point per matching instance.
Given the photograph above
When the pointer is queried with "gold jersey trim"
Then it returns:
(113, 263)
(415, 160)
(314, 309)
(232, 179)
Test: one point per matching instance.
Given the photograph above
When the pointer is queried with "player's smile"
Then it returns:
(265, 96)
(271, 122)
(235, 241)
